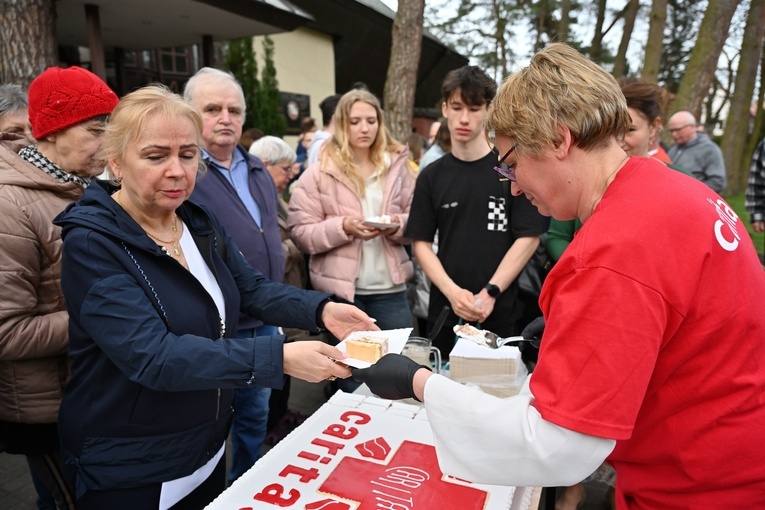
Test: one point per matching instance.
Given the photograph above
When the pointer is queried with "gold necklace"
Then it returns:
(173, 242)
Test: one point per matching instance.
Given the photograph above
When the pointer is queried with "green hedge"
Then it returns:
(737, 203)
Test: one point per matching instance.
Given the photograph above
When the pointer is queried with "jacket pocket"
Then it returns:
(124, 462)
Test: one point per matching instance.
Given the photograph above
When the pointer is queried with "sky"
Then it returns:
(633, 54)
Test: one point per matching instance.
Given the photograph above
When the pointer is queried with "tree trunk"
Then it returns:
(630, 13)
(759, 116)
(655, 42)
(596, 48)
(27, 39)
(541, 20)
(565, 10)
(703, 62)
(501, 48)
(734, 141)
(401, 81)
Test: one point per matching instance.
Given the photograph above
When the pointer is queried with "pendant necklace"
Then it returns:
(173, 243)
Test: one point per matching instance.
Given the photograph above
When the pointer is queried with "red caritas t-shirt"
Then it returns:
(656, 338)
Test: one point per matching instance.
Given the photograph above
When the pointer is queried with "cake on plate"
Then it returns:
(361, 453)
(383, 219)
(367, 348)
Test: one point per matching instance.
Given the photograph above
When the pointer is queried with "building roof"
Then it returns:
(361, 30)
(148, 24)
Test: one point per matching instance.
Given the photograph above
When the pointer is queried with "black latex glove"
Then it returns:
(534, 330)
(391, 377)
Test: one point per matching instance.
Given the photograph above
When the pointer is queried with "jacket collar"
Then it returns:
(33, 156)
(395, 158)
(15, 171)
(253, 163)
(97, 211)
(696, 141)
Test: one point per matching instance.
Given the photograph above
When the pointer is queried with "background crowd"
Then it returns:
(161, 267)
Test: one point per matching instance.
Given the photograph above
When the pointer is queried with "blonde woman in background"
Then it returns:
(361, 173)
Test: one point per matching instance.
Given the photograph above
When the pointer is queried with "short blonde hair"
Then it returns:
(127, 119)
(559, 86)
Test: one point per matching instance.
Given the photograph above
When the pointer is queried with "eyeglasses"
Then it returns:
(506, 171)
(286, 168)
(672, 130)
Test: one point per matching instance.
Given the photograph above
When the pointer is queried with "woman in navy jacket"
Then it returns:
(154, 288)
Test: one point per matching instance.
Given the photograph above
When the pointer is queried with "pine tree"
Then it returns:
(269, 118)
(479, 28)
(682, 26)
(700, 70)
(240, 61)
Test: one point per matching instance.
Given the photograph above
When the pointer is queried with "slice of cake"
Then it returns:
(367, 348)
(384, 219)
(468, 331)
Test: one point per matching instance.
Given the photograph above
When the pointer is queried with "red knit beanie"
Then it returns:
(60, 98)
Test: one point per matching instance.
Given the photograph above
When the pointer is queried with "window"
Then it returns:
(148, 60)
(175, 60)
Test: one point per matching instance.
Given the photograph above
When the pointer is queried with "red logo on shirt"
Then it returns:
(726, 232)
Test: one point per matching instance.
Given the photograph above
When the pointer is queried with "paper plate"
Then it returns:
(396, 340)
(381, 225)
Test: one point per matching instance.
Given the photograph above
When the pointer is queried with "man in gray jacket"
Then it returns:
(695, 152)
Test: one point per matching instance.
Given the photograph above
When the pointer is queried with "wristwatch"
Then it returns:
(492, 290)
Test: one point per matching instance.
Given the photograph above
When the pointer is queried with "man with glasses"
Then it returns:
(485, 234)
(239, 190)
(695, 152)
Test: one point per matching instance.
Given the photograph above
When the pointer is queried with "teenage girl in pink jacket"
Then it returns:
(362, 173)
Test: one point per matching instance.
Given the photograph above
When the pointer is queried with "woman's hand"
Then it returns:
(312, 361)
(354, 227)
(341, 320)
(391, 230)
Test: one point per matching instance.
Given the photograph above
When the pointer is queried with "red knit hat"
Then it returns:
(60, 98)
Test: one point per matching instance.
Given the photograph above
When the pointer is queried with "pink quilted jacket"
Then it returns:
(319, 203)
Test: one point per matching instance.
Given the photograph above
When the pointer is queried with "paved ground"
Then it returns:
(17, 492)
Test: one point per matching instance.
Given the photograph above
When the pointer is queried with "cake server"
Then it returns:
(494, 341)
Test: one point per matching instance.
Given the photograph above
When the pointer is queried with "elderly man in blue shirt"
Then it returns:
(241, 193)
